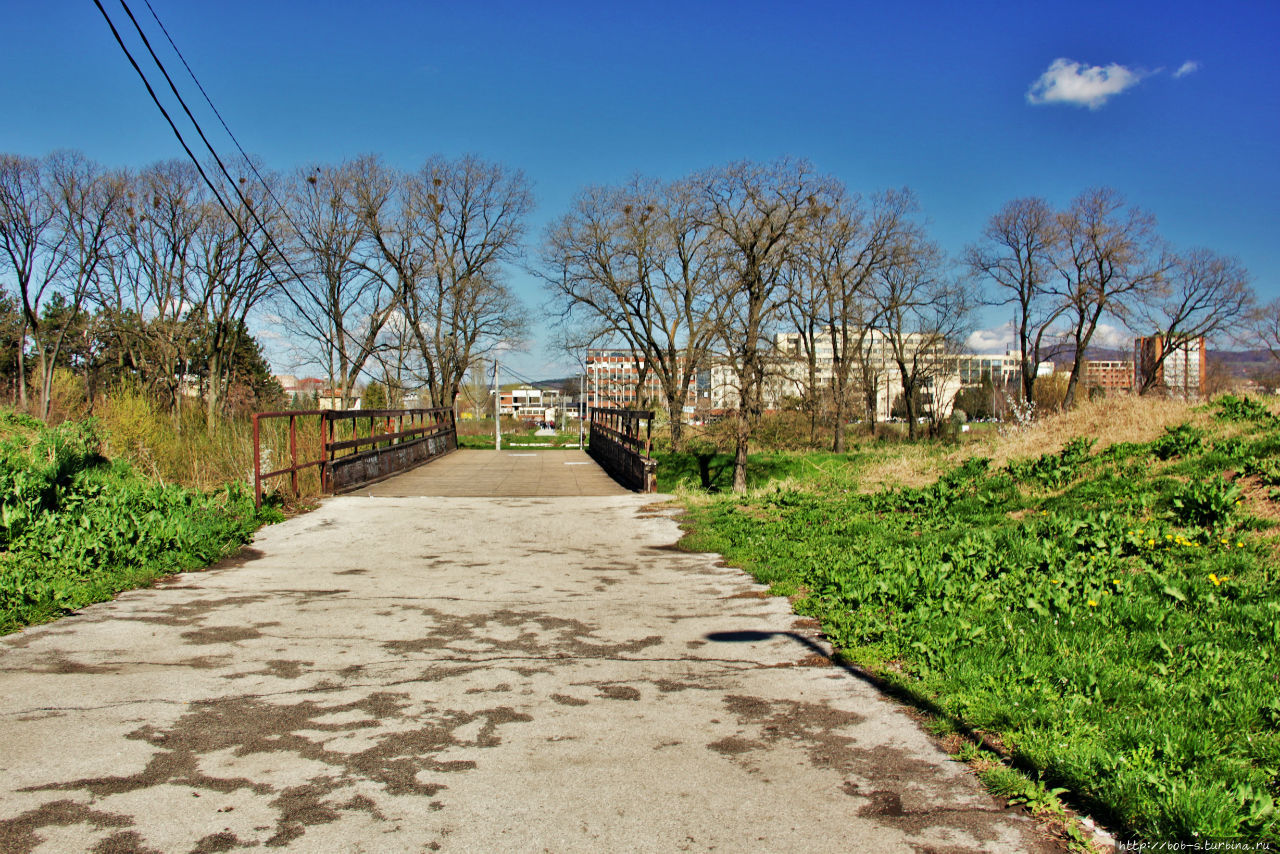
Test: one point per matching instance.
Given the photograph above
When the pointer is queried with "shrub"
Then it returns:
(1182, 440)
(1204, 503)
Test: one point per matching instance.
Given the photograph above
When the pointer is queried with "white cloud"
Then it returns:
(1068, 82)
(1004, 338)
(988, 341)
(1188, 67)
(1112, 337)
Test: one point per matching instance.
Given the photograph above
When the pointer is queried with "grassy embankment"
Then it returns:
(1106, 614)
(77, 528)
(477, 434)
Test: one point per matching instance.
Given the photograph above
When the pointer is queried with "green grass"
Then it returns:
(76, 528)
(713, 472)
(1112, 618)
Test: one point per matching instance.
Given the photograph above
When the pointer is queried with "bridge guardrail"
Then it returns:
(394, 440)
(616, 445)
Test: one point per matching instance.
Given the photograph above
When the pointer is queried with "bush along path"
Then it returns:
(1110, 619)
(76, 528)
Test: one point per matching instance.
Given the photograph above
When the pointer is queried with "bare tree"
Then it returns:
(1203, 295)
(341, 304)
(1108, 258)
(636, 263)
(806, 305)
(151, 280)
(758, 214)
(56, 220)
(444, 234)
(31, 242)
(922, 314)
(1017, 255)
(238, 268)
(861, 246)
(1264, 326)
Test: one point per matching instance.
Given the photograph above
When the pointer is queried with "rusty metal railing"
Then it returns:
(616, 445)
(393, 440)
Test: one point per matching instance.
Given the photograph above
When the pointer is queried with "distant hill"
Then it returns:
(1239, 363)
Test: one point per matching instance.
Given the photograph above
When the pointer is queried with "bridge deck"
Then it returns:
(514, 473)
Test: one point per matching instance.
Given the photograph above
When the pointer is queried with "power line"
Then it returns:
(207, 99)
(221, 166)
(173, 126)
(190, 154)
(248, 160)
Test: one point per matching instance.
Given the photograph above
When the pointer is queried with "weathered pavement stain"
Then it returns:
(395, 674)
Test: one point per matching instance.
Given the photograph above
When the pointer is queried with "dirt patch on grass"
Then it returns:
(1257, 499)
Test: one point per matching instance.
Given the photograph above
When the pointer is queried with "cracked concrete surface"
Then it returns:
(419, 674)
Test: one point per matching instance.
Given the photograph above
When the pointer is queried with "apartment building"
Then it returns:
(1181, 372)
(950, 371)
(528, 403)
(1111, 375)
(613, 379)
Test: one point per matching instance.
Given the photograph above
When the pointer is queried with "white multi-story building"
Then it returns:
(529, 404)
(1178, 369)
(875, 365)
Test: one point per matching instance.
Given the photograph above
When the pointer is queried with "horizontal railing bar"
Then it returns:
(432, 430)
(286, 413)
(291, 469)
(353, 414)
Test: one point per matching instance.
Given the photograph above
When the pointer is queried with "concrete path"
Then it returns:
(471, 675)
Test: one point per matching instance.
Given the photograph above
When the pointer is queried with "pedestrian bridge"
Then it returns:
(508, 473)
(414, 452)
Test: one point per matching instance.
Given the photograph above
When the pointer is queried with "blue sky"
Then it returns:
(933, 96)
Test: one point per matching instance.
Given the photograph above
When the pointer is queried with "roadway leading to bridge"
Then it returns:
(473, 674)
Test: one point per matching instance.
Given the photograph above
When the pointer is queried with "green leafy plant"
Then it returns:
(1242, 409)
(76, 529)
(1054, 470)
(1180, 441)
(1205, 503)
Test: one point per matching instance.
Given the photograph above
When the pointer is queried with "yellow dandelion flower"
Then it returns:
(1151, 542)
(1215, 579)
(1239, 545)
(1092, 603)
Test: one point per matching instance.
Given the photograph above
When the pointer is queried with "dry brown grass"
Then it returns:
(1127, 418)
(1109, 420)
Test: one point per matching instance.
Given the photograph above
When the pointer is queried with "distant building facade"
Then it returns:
(1113, 376)
(1178, 369)
(613, 379)
(528, 403)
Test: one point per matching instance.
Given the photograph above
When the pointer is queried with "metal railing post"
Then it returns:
(257, 464)
(293, 456)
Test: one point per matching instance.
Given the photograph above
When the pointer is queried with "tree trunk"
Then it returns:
(675, 420)
(42, 364)
(740, 455)
(215, 388)
(837, 389)
(1070, 397)
(22, 367)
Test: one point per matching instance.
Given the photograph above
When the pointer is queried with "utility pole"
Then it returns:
(582, 409)
(497, 409)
